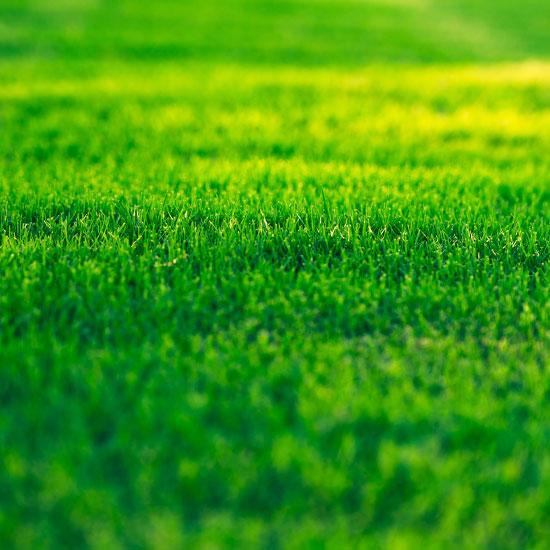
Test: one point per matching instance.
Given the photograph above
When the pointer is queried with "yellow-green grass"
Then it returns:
(258, 301)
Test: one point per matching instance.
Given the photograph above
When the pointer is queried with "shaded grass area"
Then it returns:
(299, 32)
(276, 302)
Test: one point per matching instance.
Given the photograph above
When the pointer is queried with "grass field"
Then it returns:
(274, 274)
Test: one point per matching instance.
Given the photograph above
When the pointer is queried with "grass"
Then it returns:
(277, 281)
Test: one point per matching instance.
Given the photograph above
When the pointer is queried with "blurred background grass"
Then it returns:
(299, 32)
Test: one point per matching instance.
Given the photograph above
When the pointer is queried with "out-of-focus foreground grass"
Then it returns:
(274, 274)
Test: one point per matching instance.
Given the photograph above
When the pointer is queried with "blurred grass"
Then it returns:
(274, 274)
(300, 32)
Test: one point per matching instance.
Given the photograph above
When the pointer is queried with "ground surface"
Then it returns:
(274, 274)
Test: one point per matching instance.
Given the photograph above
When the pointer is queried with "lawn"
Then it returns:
(274, 274)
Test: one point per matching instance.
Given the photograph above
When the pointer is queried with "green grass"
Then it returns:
(274, 275)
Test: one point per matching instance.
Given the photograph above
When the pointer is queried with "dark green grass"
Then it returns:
(263, 287)
(303, 32)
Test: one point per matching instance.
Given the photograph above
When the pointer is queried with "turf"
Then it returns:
(274, 275)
